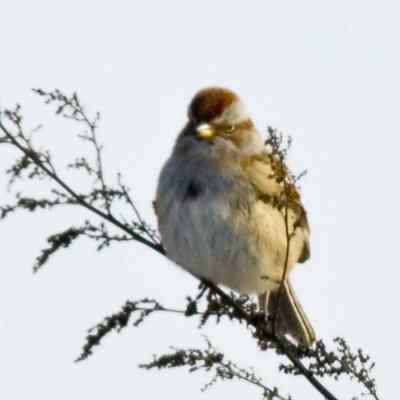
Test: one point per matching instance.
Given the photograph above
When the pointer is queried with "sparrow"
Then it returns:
(228, 212)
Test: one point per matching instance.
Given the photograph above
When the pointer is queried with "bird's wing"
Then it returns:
(271, 179)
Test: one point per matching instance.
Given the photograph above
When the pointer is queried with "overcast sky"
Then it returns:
(326, 73)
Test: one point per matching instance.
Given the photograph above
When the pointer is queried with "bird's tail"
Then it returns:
(290, 318)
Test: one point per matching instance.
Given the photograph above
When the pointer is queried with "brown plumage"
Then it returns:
(209, 103)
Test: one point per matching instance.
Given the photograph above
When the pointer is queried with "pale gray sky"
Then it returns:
(327, 73)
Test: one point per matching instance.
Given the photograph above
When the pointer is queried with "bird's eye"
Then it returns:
(230, 129)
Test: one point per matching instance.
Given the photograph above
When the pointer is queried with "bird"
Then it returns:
(228, 211)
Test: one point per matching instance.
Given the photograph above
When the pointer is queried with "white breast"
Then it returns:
(224, 234)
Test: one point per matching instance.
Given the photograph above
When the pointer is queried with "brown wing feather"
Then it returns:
(267, 175)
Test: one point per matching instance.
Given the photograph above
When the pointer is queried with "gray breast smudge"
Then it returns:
(193, 190)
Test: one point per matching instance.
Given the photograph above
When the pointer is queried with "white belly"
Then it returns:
(243, 248)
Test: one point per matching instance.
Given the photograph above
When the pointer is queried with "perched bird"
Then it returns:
(226, 209)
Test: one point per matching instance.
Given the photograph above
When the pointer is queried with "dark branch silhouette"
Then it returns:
(210, 303)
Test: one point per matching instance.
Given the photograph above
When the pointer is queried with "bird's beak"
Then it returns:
(205, 131)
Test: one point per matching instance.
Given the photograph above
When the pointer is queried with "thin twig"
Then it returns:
(282, 344)
(78, 198)
(285, 264)
(136, 212)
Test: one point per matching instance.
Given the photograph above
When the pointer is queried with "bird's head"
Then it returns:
(219, 113)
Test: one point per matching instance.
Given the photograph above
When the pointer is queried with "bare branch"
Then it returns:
(61, 240)
(32, 156)
(342, 361)
(309, 363)
(210, 359)
(119, 320)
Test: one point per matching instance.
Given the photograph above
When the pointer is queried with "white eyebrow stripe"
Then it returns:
(235, 113)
